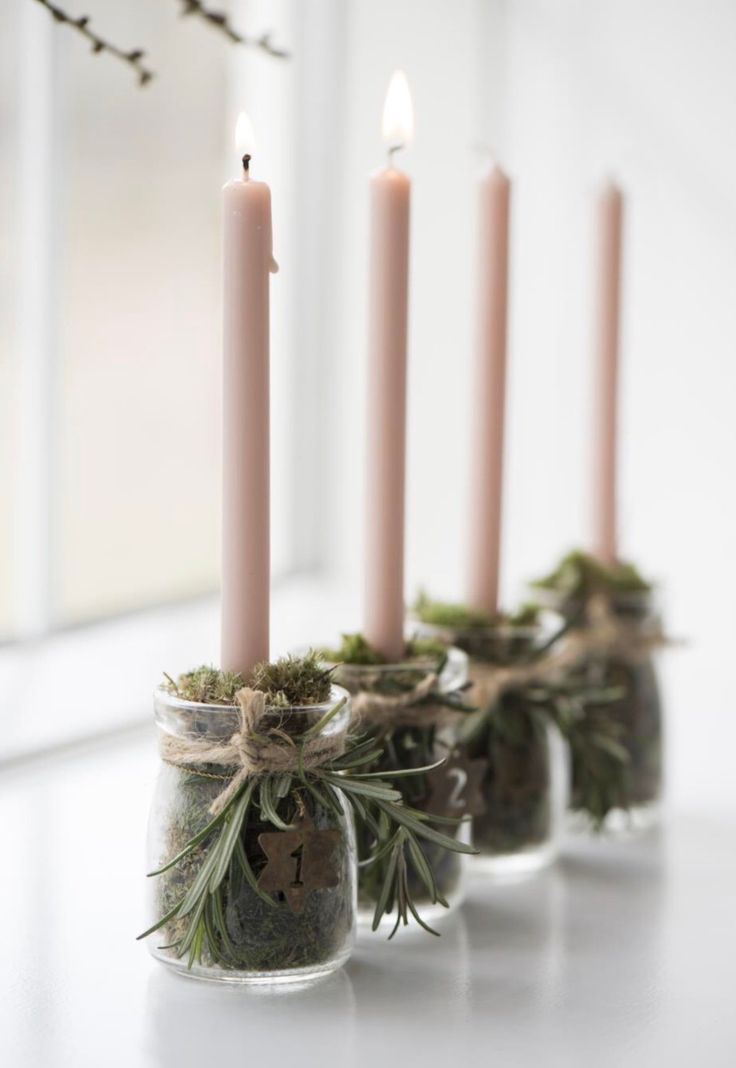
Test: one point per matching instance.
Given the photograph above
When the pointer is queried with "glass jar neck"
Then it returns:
(393, 678)
(182, 718)
(501, 644)
(629, 606)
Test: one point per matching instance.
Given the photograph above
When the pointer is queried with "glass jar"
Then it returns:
(633, 718)
(287, 905)
(440, 792)
(518, 754)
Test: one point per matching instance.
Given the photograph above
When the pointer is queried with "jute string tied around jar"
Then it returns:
(410, 709)
(602, 635)
(254, 749)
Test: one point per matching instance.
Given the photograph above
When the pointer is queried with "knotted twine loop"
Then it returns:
(603, 634)
(254, 749)
(405, 709)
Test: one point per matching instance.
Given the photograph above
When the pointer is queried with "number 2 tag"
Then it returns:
(455, 788)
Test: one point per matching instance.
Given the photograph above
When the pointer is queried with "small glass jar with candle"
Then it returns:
(413, 709)
(513, 740)
(617, 787)
(276, 903)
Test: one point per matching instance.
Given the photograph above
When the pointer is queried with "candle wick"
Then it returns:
(392, 150)
(246, 163)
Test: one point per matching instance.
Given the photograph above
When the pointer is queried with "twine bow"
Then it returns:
(254, 749)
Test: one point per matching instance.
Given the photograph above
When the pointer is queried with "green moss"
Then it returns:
(581, 575)
(526, 615)
(461, 617)
(512, 741)
(425, 648)
(206, 685)
(355, 649)
(288, 682)
(448, 614)
(294, 680)
(253, 934)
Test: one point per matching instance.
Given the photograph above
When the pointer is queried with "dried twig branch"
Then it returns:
(219, 20)
(133, 58)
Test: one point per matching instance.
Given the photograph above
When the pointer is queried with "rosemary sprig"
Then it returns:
(585, 715)
(404, 755)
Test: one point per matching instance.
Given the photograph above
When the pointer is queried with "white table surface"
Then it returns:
(623, 955)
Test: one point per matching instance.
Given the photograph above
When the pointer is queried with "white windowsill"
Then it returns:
(621, 955)
(99, 679)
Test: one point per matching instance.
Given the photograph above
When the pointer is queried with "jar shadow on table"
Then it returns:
(196, 1023)
(614, 922)
(517, 933)
(599, 914)
(587, 933)
(415, 975)
(616, 861)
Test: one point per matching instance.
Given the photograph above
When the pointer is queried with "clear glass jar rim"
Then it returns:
(506, 629)
(548, 597)
(164, 696)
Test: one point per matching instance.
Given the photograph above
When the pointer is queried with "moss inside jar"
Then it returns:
(617, 747)
(429, 737)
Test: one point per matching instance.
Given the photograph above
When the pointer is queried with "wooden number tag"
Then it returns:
(299, 861)
(454, 789)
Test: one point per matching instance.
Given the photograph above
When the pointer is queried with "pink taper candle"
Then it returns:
(387, 332)
(245, 502)
(609, 211)
(489, 392)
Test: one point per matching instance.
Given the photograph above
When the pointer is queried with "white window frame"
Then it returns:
(302, 98)
(41, 655)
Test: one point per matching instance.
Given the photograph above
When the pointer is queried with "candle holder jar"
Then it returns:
(517, 751)
(414, 735)
(285, 907)
(623, 796)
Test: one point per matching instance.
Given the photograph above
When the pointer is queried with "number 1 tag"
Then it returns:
(299, 861)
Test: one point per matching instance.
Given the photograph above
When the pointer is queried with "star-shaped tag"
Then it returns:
(454, 788)
(299, 861)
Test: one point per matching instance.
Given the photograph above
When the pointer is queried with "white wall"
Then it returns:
(646, 89)
(565, 92)
(436, 42)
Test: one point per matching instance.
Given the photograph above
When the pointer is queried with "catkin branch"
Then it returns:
(133, 57)
(220, 21)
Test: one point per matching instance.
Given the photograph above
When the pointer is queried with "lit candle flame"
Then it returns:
(245, 141)
(398, 112)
